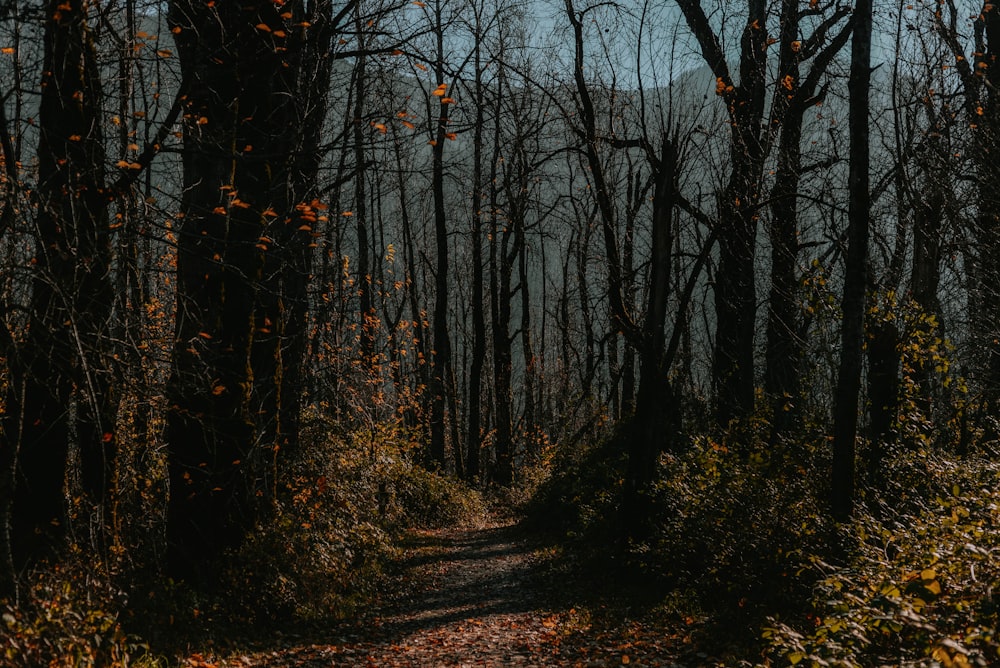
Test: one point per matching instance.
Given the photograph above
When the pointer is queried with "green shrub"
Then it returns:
(68, 618)
(320, 552)
(918, 587)
(731, 524)
(581, 498)
(421, 498)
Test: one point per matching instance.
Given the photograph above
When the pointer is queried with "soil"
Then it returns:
(474, 596)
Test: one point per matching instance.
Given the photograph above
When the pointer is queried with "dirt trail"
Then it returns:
(469, 599)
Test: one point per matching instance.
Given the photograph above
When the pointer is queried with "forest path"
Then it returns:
(471, 597)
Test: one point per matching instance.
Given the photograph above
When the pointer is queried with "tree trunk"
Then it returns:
(735, 292)
(441, 353)
(61, 363)
(794, 97)
(656, 411)
(241, 272)
(845, 415)
(474, 434)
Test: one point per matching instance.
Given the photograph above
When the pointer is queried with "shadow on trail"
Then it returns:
(468, 577)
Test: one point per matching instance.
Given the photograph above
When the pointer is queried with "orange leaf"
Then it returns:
(420, 66)
(264, 27)
(221, 211)
(408, 124)
(205, 335)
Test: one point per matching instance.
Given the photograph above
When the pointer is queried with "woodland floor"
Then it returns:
(482, 596)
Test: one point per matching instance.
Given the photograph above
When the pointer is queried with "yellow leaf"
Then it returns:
(933, 587)
(928, 574)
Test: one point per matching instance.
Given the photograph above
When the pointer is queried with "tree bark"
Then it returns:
(61, 362)
(474, 433)
(243, 262)
(845, 416)
(441, 352)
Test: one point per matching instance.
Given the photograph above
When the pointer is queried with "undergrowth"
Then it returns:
(743, 548)
(918, 588)
(318, 556)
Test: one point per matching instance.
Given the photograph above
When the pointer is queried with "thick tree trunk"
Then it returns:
(61, 362)
(656, 410)
(735, 291)
(241, 271)
(781, 372)
(845, 415)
